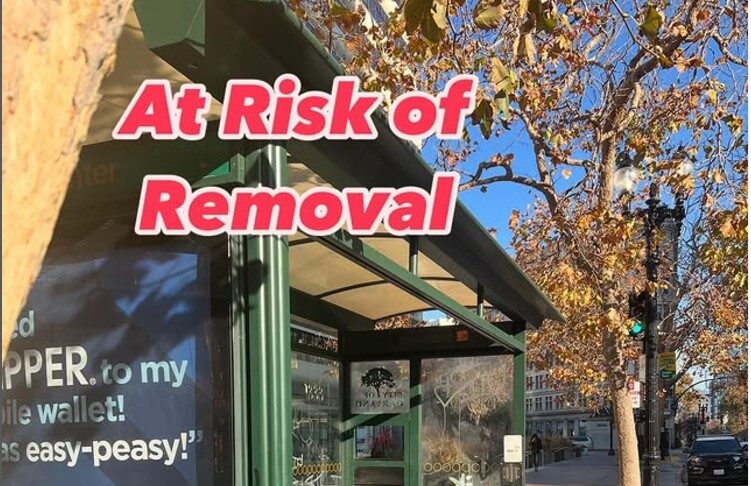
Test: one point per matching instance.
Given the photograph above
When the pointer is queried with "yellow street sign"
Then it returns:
(667, 365)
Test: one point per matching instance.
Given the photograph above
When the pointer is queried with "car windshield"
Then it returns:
(716, 446)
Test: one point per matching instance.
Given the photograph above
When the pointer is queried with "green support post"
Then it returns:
(263, 405)
(520, 363)
(414, 254)
(519, 420)
(415, 387)
(415, 421)
(481, 301)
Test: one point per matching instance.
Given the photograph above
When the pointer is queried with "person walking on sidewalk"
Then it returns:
(535, 445)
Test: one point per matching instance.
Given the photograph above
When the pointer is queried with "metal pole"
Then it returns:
(652, 454)
(611, 451)
(265, 273)
(481, 300)
(414, 254)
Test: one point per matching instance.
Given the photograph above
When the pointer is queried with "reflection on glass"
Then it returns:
(466, 412)
(307, 337)
(381, 442)
(379, 476)
(315, 421)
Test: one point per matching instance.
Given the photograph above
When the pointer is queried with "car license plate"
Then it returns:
(719, 472)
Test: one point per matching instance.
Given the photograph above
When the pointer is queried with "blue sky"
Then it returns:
(494, 207)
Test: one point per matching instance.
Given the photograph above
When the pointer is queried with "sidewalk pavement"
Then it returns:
(597, 469)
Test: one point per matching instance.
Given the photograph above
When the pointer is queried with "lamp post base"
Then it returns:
(651, 470)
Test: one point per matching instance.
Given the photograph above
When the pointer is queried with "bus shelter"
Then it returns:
(307, 360)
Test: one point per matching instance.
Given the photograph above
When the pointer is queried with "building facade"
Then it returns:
(552, 411)
(556, 412)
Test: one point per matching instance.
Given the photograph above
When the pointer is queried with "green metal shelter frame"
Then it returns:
(213, 41)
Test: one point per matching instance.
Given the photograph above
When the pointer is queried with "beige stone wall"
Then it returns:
(55, 54)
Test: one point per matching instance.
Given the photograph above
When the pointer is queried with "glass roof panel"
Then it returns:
(377, 301)
(315, 269)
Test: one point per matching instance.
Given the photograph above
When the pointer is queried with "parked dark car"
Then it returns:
(716, 459)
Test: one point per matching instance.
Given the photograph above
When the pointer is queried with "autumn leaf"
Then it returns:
(566, 173)
(711, 95)
(735, 123)
(679, 30)
(343, 15)
(652, 22)
(414, 13)
(503, 78)
(427, 15)
(525, 46)
(726, 229)
(483, 116)
(547, 23)
(544, 14)
(434, 29)
(501, 102)
(513, 220)
(488, 14)
(557, 140)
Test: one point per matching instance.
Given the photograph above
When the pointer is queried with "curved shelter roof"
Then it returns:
(216, 40)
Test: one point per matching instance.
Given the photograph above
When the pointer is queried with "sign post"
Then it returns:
(634, 393)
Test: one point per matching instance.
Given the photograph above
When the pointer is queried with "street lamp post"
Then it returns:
(654, 215)
(611, 451)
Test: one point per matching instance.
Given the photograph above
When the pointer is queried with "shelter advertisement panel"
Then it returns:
(109, 373)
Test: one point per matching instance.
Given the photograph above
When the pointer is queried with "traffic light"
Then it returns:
(637, 313)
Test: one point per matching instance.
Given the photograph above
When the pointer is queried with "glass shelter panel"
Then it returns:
(379, 387)
(379, 442)
(316, 420)
(467, 409)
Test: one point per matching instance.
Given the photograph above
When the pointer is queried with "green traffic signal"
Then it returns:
(637, 328)
(637, 313)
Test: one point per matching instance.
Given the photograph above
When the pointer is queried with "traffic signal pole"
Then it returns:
(654, 215)
(652, 455)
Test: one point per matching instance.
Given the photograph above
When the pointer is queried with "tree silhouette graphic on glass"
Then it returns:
(378, 378)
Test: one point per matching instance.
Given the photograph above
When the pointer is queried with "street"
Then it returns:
(596, 469)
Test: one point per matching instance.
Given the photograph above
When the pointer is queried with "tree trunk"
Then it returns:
(55, 54)
(628, 447)
(629, 470)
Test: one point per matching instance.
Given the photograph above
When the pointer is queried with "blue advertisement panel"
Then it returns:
(109, 375)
